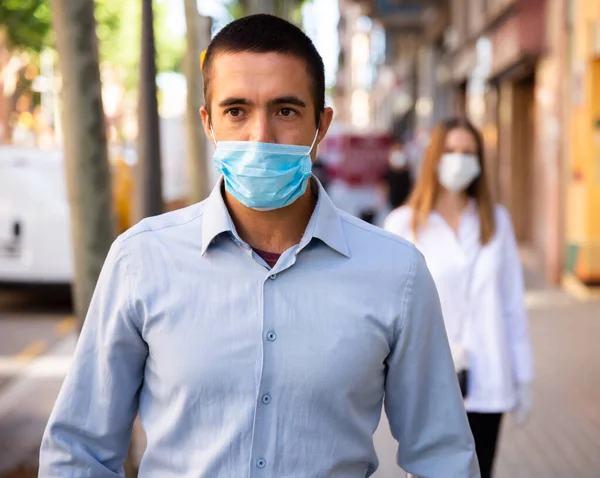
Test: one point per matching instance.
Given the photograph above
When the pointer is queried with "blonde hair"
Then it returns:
(424, 195)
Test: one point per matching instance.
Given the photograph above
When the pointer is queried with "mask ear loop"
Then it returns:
(315, 139)
(213, 134)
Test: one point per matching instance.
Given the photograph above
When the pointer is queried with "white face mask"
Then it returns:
(456, 171)
(398, 159)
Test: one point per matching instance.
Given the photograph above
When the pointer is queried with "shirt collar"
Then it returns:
(216, 218)
(325, 223)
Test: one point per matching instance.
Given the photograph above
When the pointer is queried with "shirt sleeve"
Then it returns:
(89, 430)
(513, 300)
(423, 402)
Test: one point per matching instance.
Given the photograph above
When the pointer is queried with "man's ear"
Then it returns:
(206, 123)
(324, 123)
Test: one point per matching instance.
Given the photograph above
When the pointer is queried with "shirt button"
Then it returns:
(271, 336)
(273, 276)
(261, 463)
(266, 399)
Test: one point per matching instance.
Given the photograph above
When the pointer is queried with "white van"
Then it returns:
(35, 235)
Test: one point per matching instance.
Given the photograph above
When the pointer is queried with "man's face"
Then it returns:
(265, 97)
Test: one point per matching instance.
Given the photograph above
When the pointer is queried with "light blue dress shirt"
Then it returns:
(239, 371)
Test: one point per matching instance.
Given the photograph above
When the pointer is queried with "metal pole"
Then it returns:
(148, 185)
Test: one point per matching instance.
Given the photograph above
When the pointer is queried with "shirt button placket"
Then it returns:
(263, 422)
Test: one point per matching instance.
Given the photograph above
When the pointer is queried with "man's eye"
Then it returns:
(234, 112)
(287, 112)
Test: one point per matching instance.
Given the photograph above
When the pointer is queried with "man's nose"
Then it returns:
(262, 130)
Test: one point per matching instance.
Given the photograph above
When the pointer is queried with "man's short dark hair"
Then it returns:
(267, 34)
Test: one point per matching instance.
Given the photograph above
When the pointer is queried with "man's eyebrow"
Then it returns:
(234, 101)
(283, 100)
(288, 100)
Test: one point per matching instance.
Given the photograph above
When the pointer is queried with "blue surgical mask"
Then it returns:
(264, 176)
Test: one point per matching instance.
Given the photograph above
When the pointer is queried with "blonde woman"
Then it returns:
(470, 248)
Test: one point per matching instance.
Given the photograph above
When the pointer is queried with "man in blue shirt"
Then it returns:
(259, 332)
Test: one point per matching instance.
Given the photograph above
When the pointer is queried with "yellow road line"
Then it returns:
(66, 325)
(33, 350)
(38, 347)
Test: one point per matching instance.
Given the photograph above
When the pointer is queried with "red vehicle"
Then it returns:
(357, 159)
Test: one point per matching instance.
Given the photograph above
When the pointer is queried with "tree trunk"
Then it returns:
(148, 180)
(5, 95)
(197, 37)
(86, 154)
(86, 158)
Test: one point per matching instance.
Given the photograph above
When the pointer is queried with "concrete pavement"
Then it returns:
(26, 403)
(37, 336)
(562, 437)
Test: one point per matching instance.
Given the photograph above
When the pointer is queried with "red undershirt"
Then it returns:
(270, 258)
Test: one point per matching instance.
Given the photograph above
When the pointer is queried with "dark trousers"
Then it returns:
(485, 428)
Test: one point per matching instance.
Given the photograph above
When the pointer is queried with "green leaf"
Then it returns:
(26, 23)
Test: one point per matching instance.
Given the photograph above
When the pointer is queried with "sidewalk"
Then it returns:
(26, 403)
(561, 439)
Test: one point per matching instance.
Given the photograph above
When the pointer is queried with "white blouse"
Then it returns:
(482, 295)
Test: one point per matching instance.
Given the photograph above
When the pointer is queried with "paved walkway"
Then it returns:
(36, 342)
(562, 437)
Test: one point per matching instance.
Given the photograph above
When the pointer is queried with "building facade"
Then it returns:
(583, 168)
(527, 73)
(507, 59)
(391, 77)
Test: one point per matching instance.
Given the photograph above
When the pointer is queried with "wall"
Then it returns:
(583, 173)
(548, 212)
(529, 63)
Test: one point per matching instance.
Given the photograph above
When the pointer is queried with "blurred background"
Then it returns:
(99, 131)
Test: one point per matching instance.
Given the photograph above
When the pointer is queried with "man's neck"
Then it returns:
(272, 231)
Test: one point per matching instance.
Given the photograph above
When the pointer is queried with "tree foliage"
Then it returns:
(119, 31)
(239, 8)
(27, 24)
